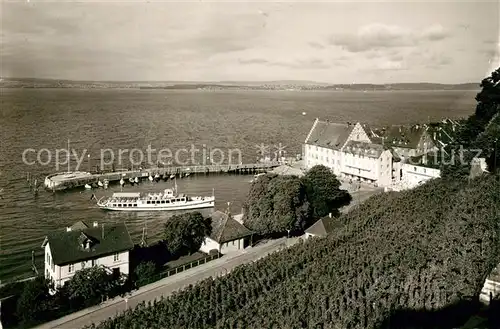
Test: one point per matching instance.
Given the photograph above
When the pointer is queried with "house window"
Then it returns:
(71, 268)
(414, 168)
(94, 262)
(83, 265)
(116, 257)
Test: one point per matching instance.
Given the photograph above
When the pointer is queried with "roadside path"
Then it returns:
(167, 286)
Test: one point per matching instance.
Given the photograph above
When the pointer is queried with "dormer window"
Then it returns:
(84, 241)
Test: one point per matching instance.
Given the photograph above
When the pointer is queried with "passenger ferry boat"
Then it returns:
(166, 201)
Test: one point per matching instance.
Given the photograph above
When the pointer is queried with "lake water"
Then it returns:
(125, 119)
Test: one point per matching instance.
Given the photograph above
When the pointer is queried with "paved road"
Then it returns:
(168, 285)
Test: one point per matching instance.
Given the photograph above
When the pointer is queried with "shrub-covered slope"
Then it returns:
(422, 249)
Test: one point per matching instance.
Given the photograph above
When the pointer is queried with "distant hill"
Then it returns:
(257, 85)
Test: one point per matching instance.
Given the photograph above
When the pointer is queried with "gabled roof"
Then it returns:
(330, 135)
(324, 226)
(403, 136)
(225, 228)
(79, 226)
(444, 132)
(362, 148)
(66, 246)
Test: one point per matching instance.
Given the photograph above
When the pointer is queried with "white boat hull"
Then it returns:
(163, 207)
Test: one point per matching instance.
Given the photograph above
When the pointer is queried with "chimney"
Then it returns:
(68, 229)
(96, 224)
(330, 215)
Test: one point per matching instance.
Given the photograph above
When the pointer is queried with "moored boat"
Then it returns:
(166, 201)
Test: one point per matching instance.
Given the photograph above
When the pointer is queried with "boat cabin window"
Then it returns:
(135, 204)
(148, 202)
(162, 201)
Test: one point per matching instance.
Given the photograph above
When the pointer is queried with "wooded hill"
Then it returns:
(420, 251)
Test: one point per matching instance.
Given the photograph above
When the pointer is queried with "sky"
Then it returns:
(329, 41)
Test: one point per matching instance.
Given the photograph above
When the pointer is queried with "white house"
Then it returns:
(81, 246)
(227, 234)
(415, 175)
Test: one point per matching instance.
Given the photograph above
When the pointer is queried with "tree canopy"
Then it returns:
(33, 304)
(90, 284)
(185, 233)
(323, 191)
(276, 204)
(480, 130)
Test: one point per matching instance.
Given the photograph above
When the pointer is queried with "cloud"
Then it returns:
(253, 61)
(379, 36)
(316, 45)
(434, 33)
(301, 63)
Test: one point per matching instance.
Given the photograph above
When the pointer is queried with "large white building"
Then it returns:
(227, 235)
(383, 156)
(81, 246)
(349, 151)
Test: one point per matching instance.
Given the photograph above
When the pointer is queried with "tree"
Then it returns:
(91, 284)
(144, 270)
(276, 204)
(34, 300)
(323, 191)
(479, 131)
(186, 232)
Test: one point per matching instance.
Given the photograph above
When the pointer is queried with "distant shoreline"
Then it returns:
(272, 85)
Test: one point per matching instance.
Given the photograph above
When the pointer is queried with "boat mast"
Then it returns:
(175, 186)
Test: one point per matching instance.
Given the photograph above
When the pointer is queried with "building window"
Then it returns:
(94, 262)
(83, 265)
(71, 268)
(414, 168)
(116, 257)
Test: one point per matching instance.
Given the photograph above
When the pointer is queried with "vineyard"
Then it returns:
(422, 250)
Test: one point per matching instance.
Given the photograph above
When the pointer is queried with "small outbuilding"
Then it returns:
(227, 235)
(323, 227)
